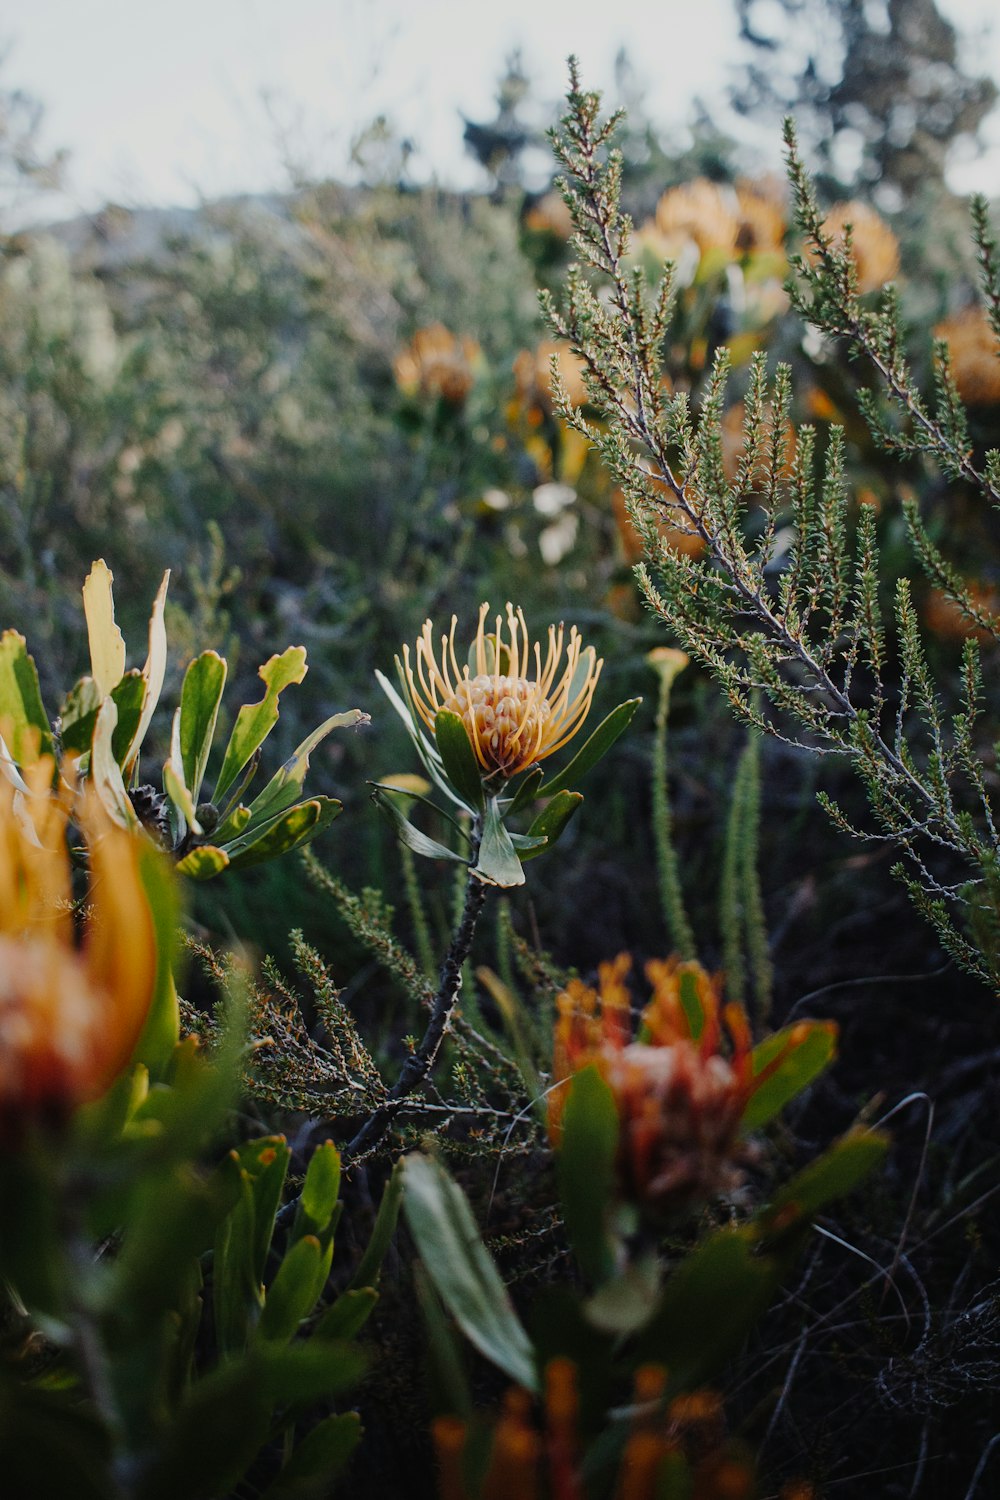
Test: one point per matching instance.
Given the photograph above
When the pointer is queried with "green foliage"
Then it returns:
(104, 721)
(783, 604)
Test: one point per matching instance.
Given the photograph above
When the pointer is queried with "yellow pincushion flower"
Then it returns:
(70, 1015)
(516, 708)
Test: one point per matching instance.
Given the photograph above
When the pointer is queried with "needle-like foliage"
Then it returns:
(786, 603)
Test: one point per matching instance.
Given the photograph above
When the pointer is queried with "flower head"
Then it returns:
(516, 708)
(437, 363)
(975, 357)
(681, 1089)
(69, 1016)
(874, 247)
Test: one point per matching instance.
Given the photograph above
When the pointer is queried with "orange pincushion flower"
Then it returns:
(533, 374)
(874, 246)
(975, 356)
(680, 1095)
(515, 708)
(436, 363)
(69, 1016)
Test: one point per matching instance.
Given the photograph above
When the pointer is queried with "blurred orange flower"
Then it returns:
(533, 375)
(975, 357)
(873, 244)
(70, 1015)
(436, 363)
(681, 1090)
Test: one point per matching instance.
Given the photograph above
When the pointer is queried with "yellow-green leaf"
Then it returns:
(107, 645)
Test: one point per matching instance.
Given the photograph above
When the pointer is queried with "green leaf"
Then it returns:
(462, 1270)
(319, 1191)
(690, 998)
(226, 1418)
(286, 784)
(107, 645)
(411, 836)
(203, 862)
(283, 833)
(201, 695)
(174, 784)
(459, 758)
(235, 822)
(382, 1231)
(317, 1460)
(154, 670)
(292, 1294)
(162, 1029)
(597, 746)
(586, 1171)
(345, 1318)
(255, 721)
(498, 863)
(105, 771)
(129, 695)
(78, 716)
(429, 757)
(804, 1050)
(847, 1163)
(552, 819)
(527, 792)
(709, 1305)
(244, 1240)
(22, 713)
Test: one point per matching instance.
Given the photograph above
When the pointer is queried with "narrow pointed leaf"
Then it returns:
(201, 695)
(317, 1459)
(78, 716)
(498, 863)
(107, 645)
(162, 1028)
(597, 746)
(393, 790)
(429, 757)
(319, 1191)
(129, 694)
(369, 1266)
(105, 771)
(285, 786)
(528, 791)
(412, 837)
(285, 832)
(290, 1295)
(462, 1270)
(154, 670)
(22, 713)
(174, 784)
(845, 1164)
(255, 721)
(345, 1318)
(804, 1050)
(458, 758)
(551, 821)
(586, 1171)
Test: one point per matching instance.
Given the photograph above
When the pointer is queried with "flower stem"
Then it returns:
(423, 1057)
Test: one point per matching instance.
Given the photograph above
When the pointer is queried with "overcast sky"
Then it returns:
(166, 103)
